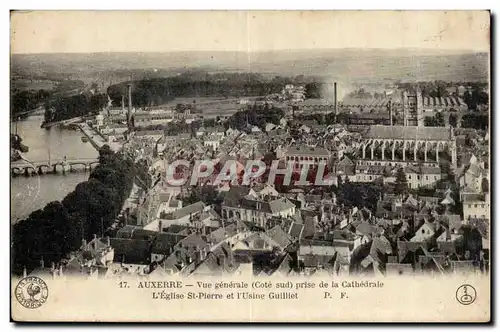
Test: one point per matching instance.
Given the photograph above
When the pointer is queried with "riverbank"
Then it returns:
(96, 139)
(32, 193)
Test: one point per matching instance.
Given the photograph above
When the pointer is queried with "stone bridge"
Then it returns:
(53, 166)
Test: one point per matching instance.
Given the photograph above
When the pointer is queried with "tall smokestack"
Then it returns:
(129, 112)
(335, 99)
(389, 106)
(403, 104)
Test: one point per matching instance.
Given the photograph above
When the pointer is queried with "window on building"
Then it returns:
(418, 177)
(426, 177)
(475, 206)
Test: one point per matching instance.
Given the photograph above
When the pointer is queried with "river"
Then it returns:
(32, 193)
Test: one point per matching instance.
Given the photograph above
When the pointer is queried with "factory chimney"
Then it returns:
(403, 104)
(129, 111)
(389, 106)
(335, 99)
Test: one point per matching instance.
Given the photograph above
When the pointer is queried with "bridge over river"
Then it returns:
(52, 166)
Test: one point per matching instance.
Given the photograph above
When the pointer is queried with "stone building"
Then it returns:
(392, 145)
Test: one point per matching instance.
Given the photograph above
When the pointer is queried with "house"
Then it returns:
(264, 190)
(255, 129)
(475, 177)
(163, 245)
(316, 255)
(422, 176)
(218, 262)
(200, 132)
(476, 206)
(131, 255)
(94, 260)
(113, 129)
(244, 204)
(270, 127)
(182, 216)
(149, 135)
(426, 231)
(311, 156)
(345, 168)
(212, 141)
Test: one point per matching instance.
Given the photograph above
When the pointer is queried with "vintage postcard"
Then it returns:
(250, 166)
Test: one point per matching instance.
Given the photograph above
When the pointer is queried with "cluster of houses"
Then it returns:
(259, 229)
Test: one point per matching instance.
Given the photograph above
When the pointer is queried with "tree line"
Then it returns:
(255, 115)
(27, 100)
(157, 91)
(58, 229)
(64, 108)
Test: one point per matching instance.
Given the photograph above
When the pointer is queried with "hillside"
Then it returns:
(349, 65)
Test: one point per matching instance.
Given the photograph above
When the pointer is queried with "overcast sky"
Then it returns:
(166, 31)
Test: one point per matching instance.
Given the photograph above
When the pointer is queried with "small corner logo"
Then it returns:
(466, 294)
(31, 292)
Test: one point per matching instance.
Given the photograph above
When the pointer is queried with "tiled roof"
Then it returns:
(164, 242)
(408, 133)
(131, 251)
(307, 151)
(185, 211)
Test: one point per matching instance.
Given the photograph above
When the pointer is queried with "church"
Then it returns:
(410, 143)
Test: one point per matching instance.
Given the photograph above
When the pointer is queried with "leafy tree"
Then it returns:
(453, 120)
(439, 119)
(53, 232)
(429, 121)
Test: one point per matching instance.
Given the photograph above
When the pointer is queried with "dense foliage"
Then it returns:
(255, 115)
(476, 121)
(70, 107)
(359, 194)
(24, 101)
(157, 91)
(435, 121)
(55, 231)
(205, 194)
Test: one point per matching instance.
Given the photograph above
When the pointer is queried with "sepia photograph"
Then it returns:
(250, 166)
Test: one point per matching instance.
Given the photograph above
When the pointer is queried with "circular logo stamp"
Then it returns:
(31, 292)
(466, 294)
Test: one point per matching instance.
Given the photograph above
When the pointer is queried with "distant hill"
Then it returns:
(350, 65)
